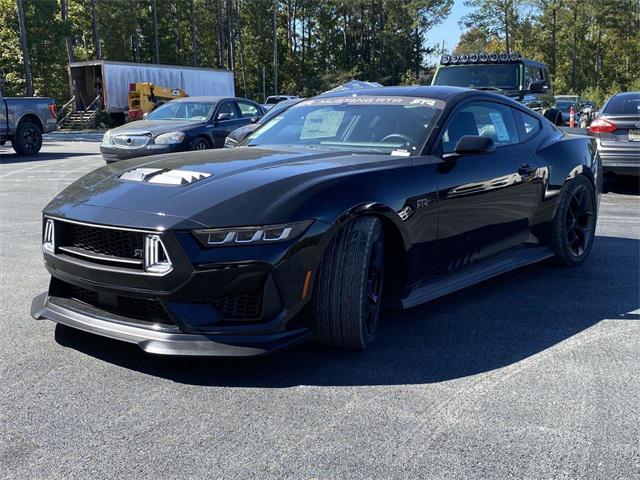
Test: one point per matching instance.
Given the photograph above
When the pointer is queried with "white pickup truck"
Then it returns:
(23, 120)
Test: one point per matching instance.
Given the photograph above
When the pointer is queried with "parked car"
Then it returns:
(526, 81)
(274, 99)
(564, 107)
(617, 133)
(341, 203)
(190, 123)
(241, 133)
(23, 120)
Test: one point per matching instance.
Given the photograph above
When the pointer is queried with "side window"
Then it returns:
(530, 124)
(481, 119)
(228, 107)
(249, 110)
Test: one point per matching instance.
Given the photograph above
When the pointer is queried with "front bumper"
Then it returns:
(164, 342)
(246, 298)
(114, 154)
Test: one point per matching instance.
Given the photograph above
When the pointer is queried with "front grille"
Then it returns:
(106, 241)
(130, 141)
(145, 310)
(239, 306)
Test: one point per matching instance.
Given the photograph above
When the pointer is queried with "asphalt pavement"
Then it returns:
(534, 374)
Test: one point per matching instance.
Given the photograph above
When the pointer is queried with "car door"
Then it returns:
(249, 111)
(226, 119)
(485, 200)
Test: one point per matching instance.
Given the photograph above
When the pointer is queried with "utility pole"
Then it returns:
(25, 48)
(275, 48)
(154, 9)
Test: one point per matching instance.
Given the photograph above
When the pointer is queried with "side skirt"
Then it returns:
(433, 288)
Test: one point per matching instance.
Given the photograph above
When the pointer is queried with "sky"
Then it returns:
(449, 30)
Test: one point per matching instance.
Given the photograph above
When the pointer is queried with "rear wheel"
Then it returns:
(574, 225)
(27, 139)
(348, 288)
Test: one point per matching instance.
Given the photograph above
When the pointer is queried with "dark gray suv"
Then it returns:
(617, 132)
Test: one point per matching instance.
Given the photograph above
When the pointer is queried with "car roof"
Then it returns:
(439, 92)
(436, 92)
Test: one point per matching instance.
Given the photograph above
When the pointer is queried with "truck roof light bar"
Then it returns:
(482, 57)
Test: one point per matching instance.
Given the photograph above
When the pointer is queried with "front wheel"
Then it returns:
(574, 224)
(348, 287)
(200, 144)
(27, 139)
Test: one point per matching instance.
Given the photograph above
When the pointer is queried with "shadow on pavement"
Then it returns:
(11, 157)
(478, 329)
(623, 184)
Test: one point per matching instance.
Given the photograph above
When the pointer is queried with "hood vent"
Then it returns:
(163, 176)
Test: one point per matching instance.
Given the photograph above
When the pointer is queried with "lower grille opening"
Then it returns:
(143, 310)
(240, 306)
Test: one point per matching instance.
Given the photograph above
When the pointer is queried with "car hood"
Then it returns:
(236, 186)
(153, 127)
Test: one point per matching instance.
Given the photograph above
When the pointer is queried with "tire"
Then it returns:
(27, 139)
(349, 285)
(200, 144)
(574, 224)
(554, 116)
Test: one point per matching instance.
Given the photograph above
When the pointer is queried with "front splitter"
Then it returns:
(168, 343)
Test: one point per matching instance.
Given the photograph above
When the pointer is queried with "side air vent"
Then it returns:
(163, 176)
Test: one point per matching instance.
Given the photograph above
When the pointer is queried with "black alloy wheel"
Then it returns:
(375, 280)
(580, 221)
(28, 139)
(574, 225)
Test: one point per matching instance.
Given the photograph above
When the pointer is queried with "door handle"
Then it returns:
(526, 170)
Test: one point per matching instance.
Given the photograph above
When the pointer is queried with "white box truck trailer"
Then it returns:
(107, 83)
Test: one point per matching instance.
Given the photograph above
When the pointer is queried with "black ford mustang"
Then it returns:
(339, 204)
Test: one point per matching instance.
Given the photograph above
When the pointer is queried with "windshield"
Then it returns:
(565, 106)
(359, 124)
(503, 76)
(190, 111)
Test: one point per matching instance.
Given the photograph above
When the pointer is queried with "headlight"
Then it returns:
(227, 237)
(49, 236)
(169, 138)
(106, 138)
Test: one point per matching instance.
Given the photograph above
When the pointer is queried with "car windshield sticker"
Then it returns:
(501, 128)
(321, 124)
(400, 153)
(367, 100)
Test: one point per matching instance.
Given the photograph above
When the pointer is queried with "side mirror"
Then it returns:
(537, 87)
(474, 145)
(223, 116)
(255, 119)
(246, 131)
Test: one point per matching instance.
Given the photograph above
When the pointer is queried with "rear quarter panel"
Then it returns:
(562, 157)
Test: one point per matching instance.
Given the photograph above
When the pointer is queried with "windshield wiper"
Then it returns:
(493, 89)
